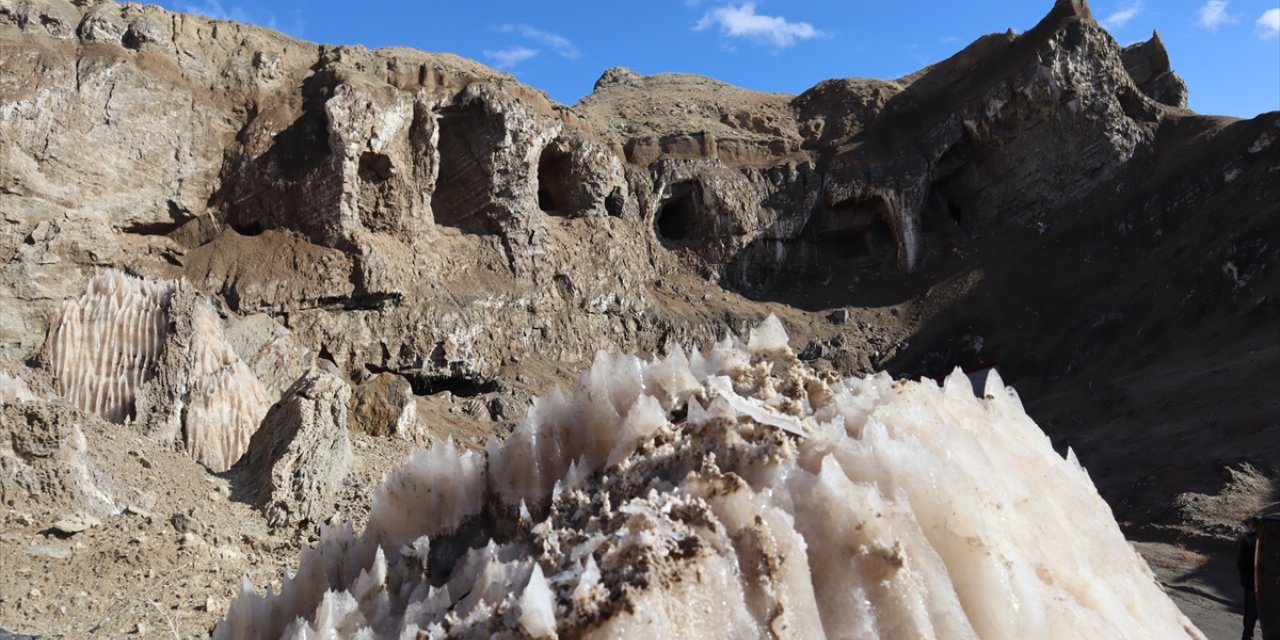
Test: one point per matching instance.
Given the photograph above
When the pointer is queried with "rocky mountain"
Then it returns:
(442, 242)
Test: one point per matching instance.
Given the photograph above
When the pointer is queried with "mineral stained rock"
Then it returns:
(383, 405)
(733, 495)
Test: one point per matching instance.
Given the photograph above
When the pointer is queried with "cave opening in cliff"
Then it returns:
(677, 218)
(855, 229)
(614, 203)
(251, 228)
(555, 181)
(941, 202)
(462, 194)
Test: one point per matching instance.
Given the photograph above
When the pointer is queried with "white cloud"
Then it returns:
(1269, 24)
(214, 9)
(559, 44)
(1122, 17)
(510, 57)
(1214, 14)
(239, 13)
(744, 22)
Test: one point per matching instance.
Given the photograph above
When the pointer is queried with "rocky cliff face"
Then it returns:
(1041, 200)
(387, 185)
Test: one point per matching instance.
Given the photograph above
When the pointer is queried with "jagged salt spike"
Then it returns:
(537, 607)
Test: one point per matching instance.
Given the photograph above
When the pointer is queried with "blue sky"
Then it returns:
(1227, 50)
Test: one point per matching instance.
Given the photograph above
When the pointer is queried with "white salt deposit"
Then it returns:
(732, 495)
(105, 343)
(14, 389)
(108, 342)
(224, 403)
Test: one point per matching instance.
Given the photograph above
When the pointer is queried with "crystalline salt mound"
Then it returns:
(733, 495)
(108, 343)
(105, 343)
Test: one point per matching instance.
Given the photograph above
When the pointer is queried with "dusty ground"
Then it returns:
(170, 562)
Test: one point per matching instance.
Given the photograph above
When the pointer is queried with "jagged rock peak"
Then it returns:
(1148, 65)
(617, 76)
(1071, 8)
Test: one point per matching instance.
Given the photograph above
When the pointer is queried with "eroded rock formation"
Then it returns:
(129, 342)
(105, 344)
(420, 222)
(296, 462)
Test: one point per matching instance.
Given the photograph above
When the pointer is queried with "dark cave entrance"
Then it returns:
(958, 179)
(555, 182)
(678, 218)
(614, 203)
(461, 198)
(940, 202)
(253, 228)
(855, 229)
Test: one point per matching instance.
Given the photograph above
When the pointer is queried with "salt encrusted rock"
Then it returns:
(296, 462)
(202, 395)
(131, 347)
(739, 495)
(106, 343)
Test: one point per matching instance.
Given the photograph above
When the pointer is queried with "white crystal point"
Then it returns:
(537, 607)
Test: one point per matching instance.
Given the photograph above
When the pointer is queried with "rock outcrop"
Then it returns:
(384, 405)
(376, 180)
(1148, 65)
(297, 461)
(149, 350)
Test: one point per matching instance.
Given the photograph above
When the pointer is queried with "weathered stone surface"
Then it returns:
(44, 459)
(298, 458)
(75, 523)
(1148, 65)
(274, 354)
(383, 405)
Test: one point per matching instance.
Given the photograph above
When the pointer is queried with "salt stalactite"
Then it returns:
(105, 343)
(224, 403)
(734, 494)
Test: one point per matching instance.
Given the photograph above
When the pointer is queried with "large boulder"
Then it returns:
(299, 457)
(384, 405)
